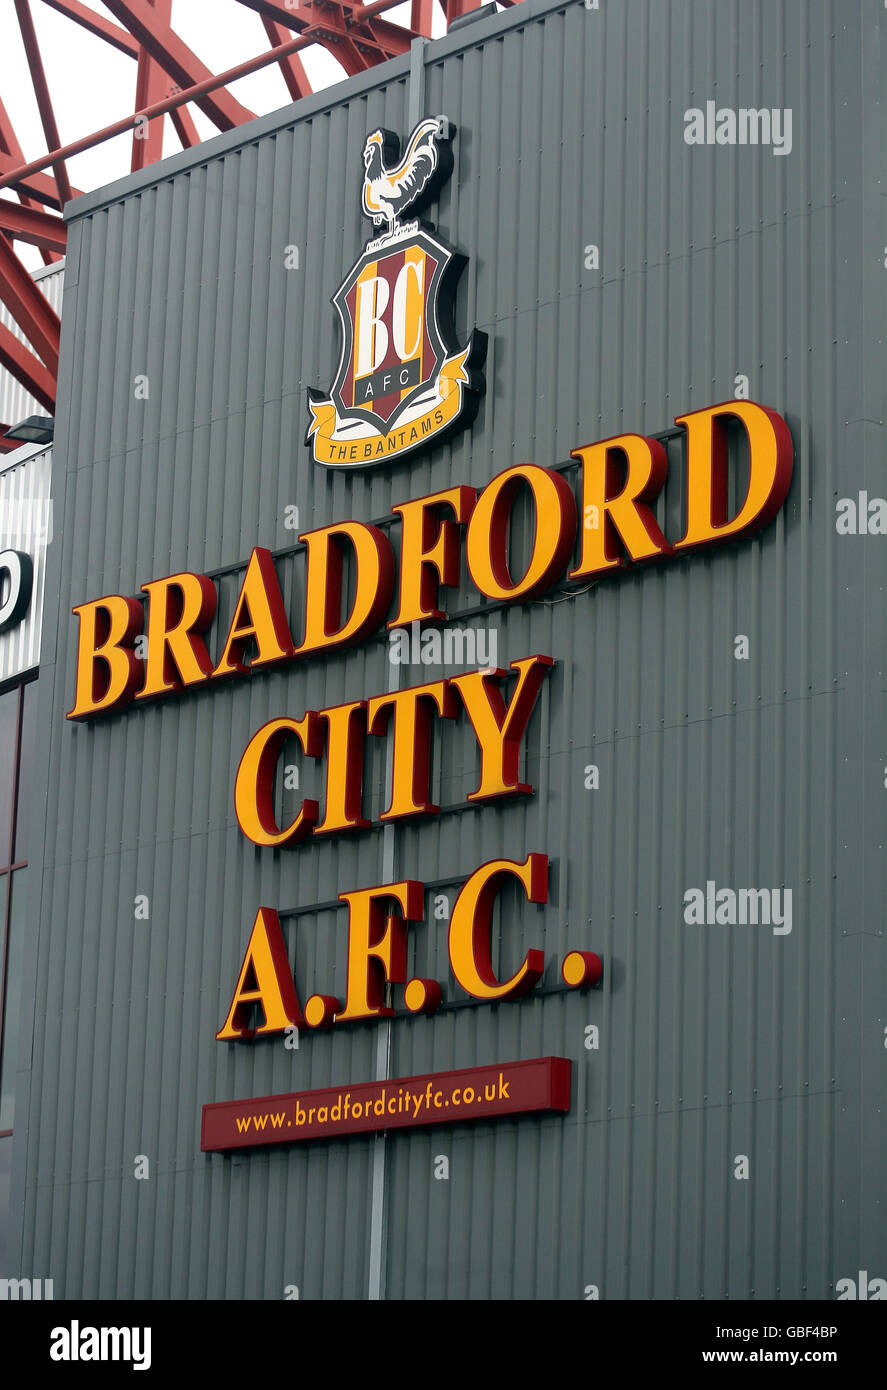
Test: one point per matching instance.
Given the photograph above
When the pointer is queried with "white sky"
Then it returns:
(93, 84)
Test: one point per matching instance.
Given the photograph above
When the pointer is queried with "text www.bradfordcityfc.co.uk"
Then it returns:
(534, 1085)
(398, 1100)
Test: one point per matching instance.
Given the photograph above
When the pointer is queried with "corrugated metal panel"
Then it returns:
(15, 402)
(714, 1042)
(26, 525)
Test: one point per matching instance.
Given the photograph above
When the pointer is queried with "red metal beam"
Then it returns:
(334, 19)
(291, 18)
(355, 46)
(392, 38)
(339, 18)
(21, 363)
(26, 180)
(7, 445)
(176, 58)
(361, 12)
(185, 128)
(9, 145)
(30, 225)
(152, 84)
(451, 8)
(96, 24)
(41, 92)
(28, 177)
(31, 310)
(8, 139)
(291, 69)
(344, 49)
(421, 13)
(27, 174)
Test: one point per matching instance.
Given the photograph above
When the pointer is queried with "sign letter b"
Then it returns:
(372, 335)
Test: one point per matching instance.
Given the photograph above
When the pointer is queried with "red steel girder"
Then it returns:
(361, 12)
(392, 37)
(353, 46)
(339, 17)
(420, 17)
(41, 92)
(355, 34)
(291, 69)
(176, 58)
(13, 176)
(335, 20)
(8, 139)
(336, 16)
(31, 310)
(184, 126)
(27, 369)
(343, 48)
(33, 226)
(96, 24)
(152, 84)
(291, 17)
(7, 445)
(9, 145)
(43, 189)
(31, 182)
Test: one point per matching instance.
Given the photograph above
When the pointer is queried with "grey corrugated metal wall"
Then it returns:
(714, 1042)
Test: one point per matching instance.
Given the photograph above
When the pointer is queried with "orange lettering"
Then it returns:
(469, 938)
(411, 758)
(429, 552)
(499, 728)
(487, 538)
(266, 981)
(640, 465)
(254, 783)
(770, 458)
(259, 617)
(180, 608)
(373, 564)
(108, 669)
(377, 946)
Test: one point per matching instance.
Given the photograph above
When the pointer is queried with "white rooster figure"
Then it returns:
(389, 192)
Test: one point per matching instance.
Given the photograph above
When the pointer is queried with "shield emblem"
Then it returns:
(392, 342)
(403, 383)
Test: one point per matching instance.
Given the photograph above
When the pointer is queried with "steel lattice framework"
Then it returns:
(169, 77)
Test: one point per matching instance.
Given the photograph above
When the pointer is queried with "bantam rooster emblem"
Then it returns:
(389, 191)
(403, 382)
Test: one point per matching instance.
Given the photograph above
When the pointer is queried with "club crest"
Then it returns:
(403, 382)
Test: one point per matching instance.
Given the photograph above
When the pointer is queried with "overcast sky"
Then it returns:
(93, 84)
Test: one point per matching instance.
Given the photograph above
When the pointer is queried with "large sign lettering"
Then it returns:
(619, 480)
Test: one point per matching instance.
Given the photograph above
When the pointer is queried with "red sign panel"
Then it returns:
(480, 1093)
